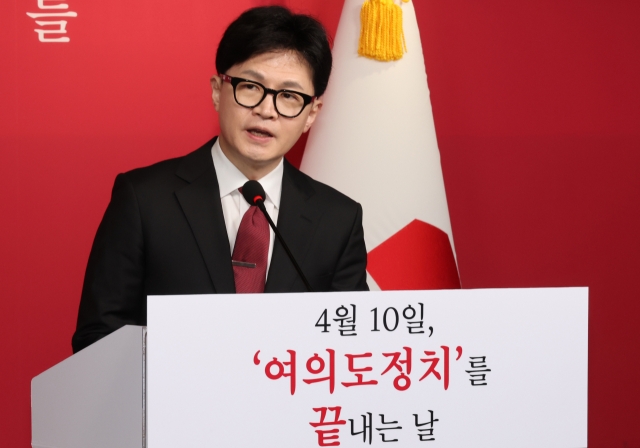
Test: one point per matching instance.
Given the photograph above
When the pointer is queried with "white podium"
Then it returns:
(482, 368)
(95, 398)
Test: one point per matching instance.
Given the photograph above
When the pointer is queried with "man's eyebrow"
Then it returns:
(259, 77)
(253, 74)
(288, 84)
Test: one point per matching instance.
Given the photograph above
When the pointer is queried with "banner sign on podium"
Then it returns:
(494, 368)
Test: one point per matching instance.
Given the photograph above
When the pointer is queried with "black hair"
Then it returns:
(274, 28)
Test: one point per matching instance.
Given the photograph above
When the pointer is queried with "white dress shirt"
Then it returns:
(234, 205)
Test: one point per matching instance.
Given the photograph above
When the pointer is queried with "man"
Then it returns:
(182, 226)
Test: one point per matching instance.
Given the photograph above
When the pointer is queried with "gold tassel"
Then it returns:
(381, 34)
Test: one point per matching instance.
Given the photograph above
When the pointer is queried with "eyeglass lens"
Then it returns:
(288, 104)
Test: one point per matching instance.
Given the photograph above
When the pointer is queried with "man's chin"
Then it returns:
(260, 160)
(263, 162)
(261, 155)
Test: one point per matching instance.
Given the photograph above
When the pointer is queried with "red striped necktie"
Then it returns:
(251, 252)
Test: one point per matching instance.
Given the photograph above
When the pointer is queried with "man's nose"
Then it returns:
(266, 108)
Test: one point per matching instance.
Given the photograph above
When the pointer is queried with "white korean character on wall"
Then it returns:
(49, 21)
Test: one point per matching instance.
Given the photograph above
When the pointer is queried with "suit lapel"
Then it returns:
(200, 202)
(297, 222)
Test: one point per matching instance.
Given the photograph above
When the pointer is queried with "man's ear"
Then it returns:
(315, 109)
(216, 86)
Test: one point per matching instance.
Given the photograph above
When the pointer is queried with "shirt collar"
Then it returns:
(231, 178)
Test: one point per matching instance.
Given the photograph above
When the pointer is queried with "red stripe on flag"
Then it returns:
(419, 256)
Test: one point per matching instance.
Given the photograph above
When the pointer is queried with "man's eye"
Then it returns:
(287, 96)
(248, 87)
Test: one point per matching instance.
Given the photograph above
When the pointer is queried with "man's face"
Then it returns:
(256, 139)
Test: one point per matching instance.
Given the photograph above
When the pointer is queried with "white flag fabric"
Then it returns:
(375, 141)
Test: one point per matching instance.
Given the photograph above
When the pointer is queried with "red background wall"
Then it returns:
(536, 107)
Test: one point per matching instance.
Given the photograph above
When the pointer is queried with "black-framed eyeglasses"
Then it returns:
(247, 93)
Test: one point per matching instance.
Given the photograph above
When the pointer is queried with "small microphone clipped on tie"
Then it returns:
(254, 194)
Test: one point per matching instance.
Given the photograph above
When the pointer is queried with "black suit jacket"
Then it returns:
(164, 233)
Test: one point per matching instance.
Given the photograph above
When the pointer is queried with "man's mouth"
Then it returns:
(262, 133)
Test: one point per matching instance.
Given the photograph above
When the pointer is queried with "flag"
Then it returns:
(375, 141)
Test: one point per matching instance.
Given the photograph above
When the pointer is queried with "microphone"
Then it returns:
(254, 194)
